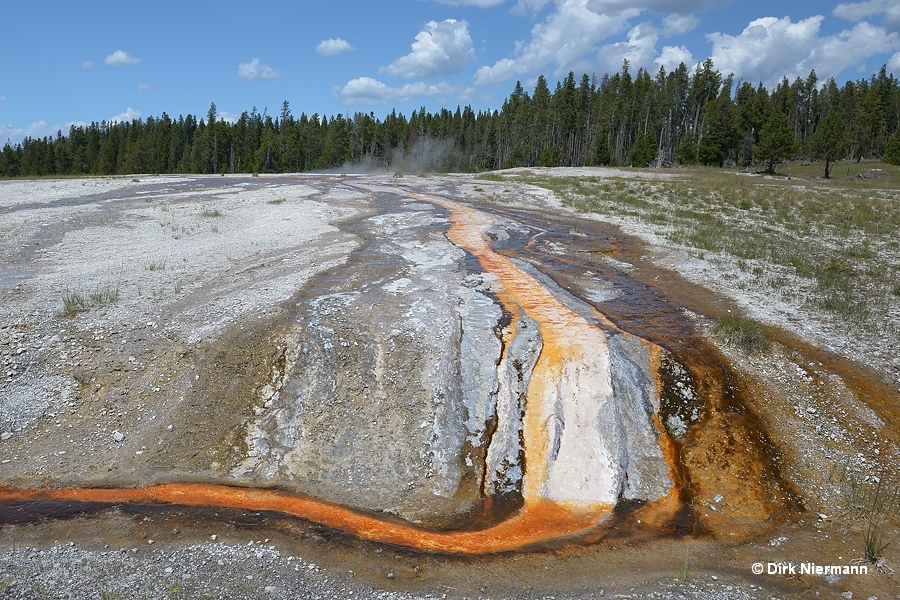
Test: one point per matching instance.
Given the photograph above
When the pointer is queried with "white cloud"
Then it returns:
(129, 115)
(120, 58)
(254, 71)
(770, 48)
(857, 11)
(87, 64)
(570, 32)
(227, 117)
(638, 50)
(440, 49)
(365, 90)
(2, 98)
(679, 24)
(36, 130)
(672, 56)
(532, 6)
(145, 87)
(894, 64)
(333, 46)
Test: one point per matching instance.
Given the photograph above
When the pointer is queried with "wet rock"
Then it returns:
(505, 454)
(644, 467)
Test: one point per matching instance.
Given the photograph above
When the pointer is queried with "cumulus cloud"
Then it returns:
(120, 58)
(334, 46)
(129, 115)
(770, 48)
(36, 130)
(365, 90)
(15, 135)
(857, 11)
(227, 117)
(672, 56)
(894, 64)
(254, 71)
(572, 30)
(532, 6)
(440, 49)
(679, 24)
(87, 64)
(638, 50)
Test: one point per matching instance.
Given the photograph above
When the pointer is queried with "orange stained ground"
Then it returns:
(565, 335)
(542, 523)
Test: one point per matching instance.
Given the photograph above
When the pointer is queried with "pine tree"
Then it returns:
(645, 150)
(776, 140)
(830, 142)
(892, 151)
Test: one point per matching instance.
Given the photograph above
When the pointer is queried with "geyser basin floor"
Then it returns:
(191, 295)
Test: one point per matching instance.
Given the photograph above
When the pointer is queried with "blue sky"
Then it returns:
(69, 62)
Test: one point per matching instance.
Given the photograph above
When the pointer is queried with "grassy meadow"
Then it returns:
(829, 245)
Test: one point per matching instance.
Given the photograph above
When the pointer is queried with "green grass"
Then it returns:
(211, 212)
(104, 295)
(73, 303)
(276, 201)
(875, 500)
(76, 302)
(874, 549)
(830, 244)
(742, 333)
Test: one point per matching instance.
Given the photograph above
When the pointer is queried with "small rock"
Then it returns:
(390, 575)
(6, 435)
(118, 435)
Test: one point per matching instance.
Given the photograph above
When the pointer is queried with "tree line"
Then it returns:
(676, 117)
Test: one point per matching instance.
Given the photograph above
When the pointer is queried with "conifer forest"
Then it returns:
(637, 119)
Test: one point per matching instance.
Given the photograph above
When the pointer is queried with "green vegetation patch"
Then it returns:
(830, 245)
(742, 333)
(211, 212)
(76, 302)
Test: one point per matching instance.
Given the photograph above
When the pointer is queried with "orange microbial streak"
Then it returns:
(541, 524)
(551, 510)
